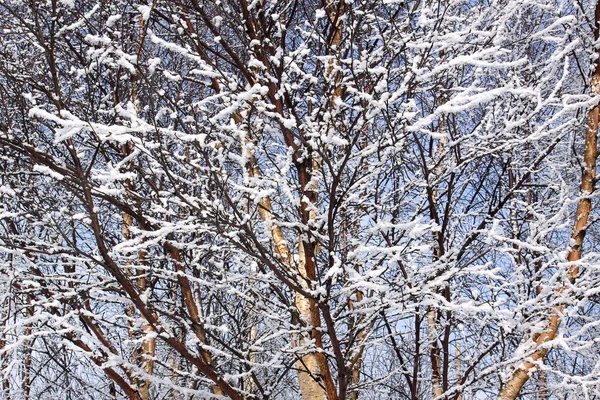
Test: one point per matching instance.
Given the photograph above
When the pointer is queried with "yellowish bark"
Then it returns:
(148, 350)
(309, 371)
(432, 318)
(435, 353)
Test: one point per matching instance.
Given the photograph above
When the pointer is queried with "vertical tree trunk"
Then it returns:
(458, 367)
(314, 376)
(360, 337)
(510, 390)
(148, 353)
(145, 355)
(250, 384)
(4, 365)
(148, 350)
(309, 371)
(27, 344)
(438, 252)
(250, 318)
(434, 353)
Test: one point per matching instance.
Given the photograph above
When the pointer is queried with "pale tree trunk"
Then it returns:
(146, 354)
(173, 362)
(250, 384)
(314, 376)
(363, 332)
(309, 371)
(434, 352)
(26, 372)
(3, 366)
(510, 390)
(438, 251)
(149, 339)
(310, 365)
(148, 350)
(458, 367)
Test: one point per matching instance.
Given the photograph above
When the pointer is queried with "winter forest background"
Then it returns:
(299, 199)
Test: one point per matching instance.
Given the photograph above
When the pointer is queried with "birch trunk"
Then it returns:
(458, 367)
(148, 350)
(3, 365)
(438, 251)
(27, 344)
(309, 371)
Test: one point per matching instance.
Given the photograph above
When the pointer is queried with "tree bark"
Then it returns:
(3, 365)
(27, 349)
(145, 355)
(309, 371)
(148, 350)
(438, 252)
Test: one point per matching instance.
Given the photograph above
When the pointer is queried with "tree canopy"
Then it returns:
(299, 199)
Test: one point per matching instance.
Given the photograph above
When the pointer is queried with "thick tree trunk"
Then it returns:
(438, 252)
(309, 371)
